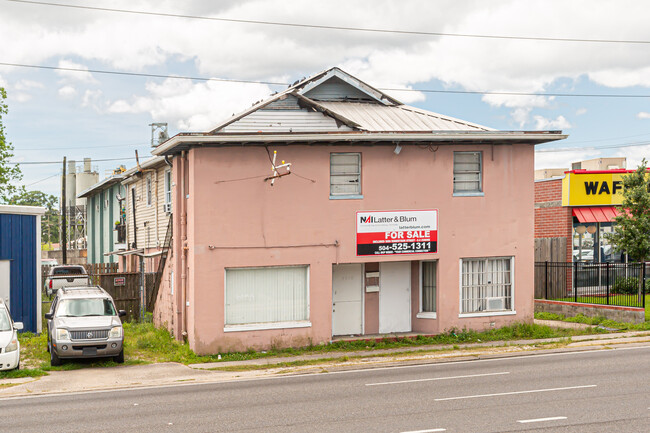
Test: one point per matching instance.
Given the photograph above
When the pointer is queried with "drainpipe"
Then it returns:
(183, 163)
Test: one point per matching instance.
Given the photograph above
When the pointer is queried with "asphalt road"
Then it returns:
(594, 391)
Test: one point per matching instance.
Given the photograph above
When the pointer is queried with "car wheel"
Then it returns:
(54, 359)
(119, 358)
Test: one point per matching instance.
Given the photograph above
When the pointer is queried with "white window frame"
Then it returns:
(510, 312)
(468, 193)
(268, 325)
(148, 190)
(428, 314)
(167, 206)
(343, 196)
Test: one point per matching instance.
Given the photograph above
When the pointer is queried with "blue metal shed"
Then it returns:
(20, 263)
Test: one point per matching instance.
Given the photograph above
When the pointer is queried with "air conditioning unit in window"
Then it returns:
(495, 304)
(167, 207)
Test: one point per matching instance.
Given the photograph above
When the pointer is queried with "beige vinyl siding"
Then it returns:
(151, 234)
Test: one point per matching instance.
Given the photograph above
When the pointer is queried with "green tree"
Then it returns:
(8, 173)
(50, 221)
(631, 233)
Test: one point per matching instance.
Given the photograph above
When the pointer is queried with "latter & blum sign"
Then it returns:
(397, 232)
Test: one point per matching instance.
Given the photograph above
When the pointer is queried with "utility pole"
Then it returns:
(63, 241)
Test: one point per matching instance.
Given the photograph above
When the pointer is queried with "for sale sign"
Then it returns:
(397, 232)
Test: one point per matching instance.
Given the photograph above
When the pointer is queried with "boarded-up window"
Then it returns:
(267, 295)
(468, 172)
(345, 174)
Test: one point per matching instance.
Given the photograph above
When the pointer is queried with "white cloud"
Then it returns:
(634, 155)
(93, 99)
(67, 92)
(75, 74)
(643, 115)
(581, 111)
(176, 102)
(28, 85)
(545, 159)
(542, 123)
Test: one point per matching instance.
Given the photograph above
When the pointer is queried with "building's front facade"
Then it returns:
(391, 219)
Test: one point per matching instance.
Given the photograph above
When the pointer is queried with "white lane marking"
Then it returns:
(426, 431)
(515, 392)
(437, 378)
(519, 357)
(552, 418)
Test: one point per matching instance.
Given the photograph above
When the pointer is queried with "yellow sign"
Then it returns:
(592, 189)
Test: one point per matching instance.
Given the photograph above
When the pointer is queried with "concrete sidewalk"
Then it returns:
(152, 375)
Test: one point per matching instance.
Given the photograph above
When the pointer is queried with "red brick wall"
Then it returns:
(551, 219)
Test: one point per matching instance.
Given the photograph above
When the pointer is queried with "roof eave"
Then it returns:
(184, 142)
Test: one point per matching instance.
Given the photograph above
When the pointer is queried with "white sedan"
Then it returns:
(9, 344)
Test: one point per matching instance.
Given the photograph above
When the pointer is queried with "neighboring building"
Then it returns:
(391, 219)
(576, 211)
(148, 213)
(77, 179)
(589, 164)
(106, 219)
(20, 263)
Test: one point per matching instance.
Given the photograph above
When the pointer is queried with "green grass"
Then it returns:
(145, 344)
(610, 324)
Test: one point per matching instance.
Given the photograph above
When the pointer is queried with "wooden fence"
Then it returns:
(551, 283)
(124, 287)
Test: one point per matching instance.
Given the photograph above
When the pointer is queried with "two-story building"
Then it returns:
(333, 209)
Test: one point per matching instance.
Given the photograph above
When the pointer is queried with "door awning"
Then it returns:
(595, 214)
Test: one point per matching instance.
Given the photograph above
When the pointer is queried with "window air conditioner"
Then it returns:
(167, 207)
(495, 304)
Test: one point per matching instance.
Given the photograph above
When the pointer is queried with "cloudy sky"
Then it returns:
(69, 108)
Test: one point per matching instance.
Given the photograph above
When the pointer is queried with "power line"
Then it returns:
(612, 146)
(273, 83)
(76, 148)
(44, 179)
(344, 28)
(59, 161)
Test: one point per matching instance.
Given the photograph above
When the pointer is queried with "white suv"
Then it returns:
(9, 344)
(84, 323)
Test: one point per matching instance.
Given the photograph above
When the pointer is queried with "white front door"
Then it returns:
(347, 290)
(394, 297)
(5, 279)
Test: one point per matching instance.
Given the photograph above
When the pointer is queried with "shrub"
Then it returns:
(627, 286)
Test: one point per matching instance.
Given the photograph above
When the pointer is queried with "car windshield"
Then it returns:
(5, 323)
(67, 271)
(85, 307)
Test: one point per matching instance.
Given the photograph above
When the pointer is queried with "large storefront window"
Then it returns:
(590, 245)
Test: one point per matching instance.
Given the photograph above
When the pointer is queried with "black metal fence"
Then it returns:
(593, 283)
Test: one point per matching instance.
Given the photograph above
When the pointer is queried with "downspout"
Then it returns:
(184, 244)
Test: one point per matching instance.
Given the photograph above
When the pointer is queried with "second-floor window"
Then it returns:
(345, 174)
(149, 194)
(168, 191)
(468, 173)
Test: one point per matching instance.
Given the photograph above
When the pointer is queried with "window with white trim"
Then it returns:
(345, 174)
(468, 172)
(149, 194)
(167, 207)
(486, 284)
(429, 287)
(267, 295)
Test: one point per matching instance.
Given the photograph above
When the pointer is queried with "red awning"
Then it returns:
(595, 214)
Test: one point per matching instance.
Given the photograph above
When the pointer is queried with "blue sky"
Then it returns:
(56, 113)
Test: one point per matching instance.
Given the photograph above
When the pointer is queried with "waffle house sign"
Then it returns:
(593, 188)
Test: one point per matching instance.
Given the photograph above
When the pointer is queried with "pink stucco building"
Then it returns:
(388, 219)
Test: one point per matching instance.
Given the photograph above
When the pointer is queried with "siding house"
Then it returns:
(333, 209)
(105, 219)
(148, 213)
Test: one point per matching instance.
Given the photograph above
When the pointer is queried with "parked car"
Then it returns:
(84, 323)
(9, 344)
(66, 276)
(49, 262)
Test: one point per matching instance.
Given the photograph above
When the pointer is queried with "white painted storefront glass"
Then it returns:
(267, 295)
